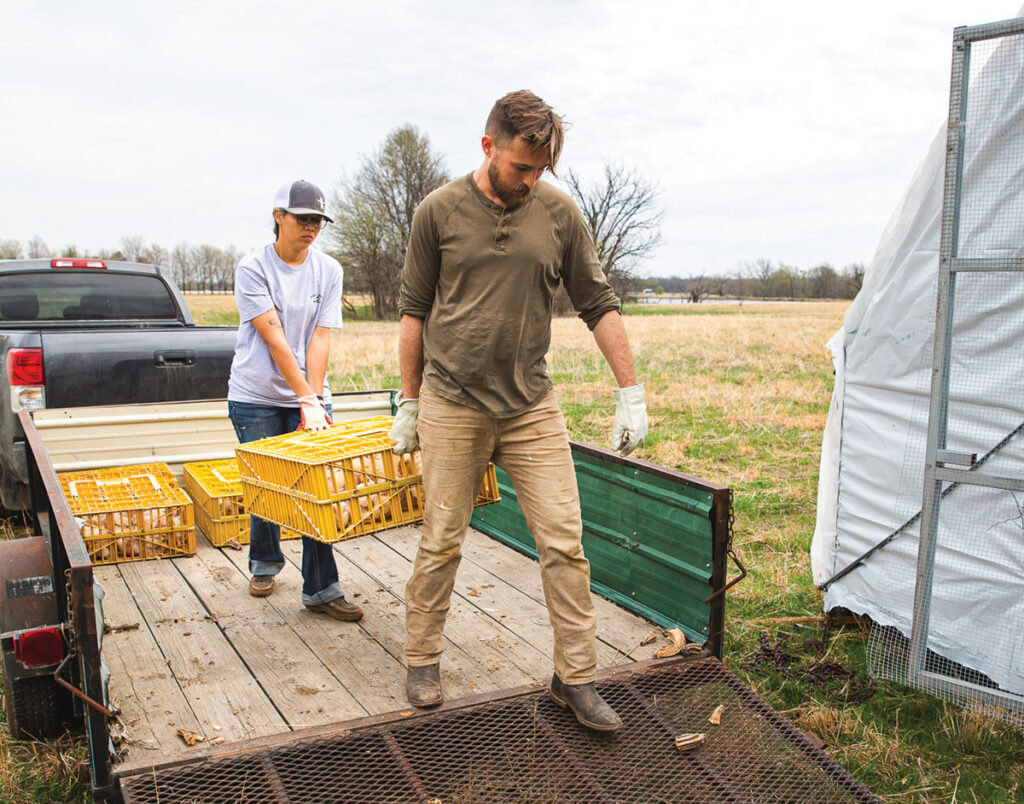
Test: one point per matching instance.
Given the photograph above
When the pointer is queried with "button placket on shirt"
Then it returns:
(501, 232)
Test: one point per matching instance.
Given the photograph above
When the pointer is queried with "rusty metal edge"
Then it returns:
(72, 563)
(650, 468)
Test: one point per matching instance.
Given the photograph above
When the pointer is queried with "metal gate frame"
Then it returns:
(941, 464)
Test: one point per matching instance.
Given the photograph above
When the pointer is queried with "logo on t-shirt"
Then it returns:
(316, 297)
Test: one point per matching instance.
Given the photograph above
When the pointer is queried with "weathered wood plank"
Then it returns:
(500, 597)
(346, 651)
(384, 620)
(621, 630)
(210, 658)
(261, 630)
(485, 655)
(152, 705)
(226, 699)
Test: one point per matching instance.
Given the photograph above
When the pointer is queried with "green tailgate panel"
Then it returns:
(649, 537)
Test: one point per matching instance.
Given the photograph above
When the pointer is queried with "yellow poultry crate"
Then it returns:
(337, 483)
(216, 490)
(131, 513)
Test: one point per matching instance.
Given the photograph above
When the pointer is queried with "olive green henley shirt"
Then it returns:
(482, 278)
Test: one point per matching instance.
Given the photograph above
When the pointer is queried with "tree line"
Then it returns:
(203, 268)
(764, 279)
(373, 210)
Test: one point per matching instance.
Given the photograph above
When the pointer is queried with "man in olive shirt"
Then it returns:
(486, 255)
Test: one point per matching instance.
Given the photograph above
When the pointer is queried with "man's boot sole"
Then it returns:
(429, 705)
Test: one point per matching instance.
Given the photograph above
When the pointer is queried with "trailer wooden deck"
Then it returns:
(189, 649)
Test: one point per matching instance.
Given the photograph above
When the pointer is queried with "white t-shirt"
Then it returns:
(305, 296)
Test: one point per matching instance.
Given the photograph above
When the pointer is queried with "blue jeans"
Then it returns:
(319, 571)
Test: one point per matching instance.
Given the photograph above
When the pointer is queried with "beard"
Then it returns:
(506, 191)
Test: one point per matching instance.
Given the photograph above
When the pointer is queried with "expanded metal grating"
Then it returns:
(520, 747)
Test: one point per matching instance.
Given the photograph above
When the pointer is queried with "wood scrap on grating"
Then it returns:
(688, 742)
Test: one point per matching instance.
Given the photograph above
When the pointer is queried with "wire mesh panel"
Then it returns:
(523, 748)
(966, 642)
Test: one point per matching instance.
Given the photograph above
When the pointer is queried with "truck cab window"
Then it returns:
(83, 295)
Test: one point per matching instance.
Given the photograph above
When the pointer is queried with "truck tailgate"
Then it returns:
(141, 365)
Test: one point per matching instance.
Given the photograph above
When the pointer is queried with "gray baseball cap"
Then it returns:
(301, 198)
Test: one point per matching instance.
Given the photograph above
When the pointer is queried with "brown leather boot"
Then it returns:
(423, 685)
(589, 707)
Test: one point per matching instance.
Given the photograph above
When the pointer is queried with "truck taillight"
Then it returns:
(26, 377)
(76, 263)
(25, 366)
(39, 647)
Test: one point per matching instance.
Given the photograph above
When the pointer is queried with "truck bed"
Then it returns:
(189, 648)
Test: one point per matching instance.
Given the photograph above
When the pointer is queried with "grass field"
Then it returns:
(737, 395)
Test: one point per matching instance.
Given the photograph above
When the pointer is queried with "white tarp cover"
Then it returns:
(872, 461)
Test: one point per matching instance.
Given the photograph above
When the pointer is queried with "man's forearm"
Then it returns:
(410, 355)
(610, 334)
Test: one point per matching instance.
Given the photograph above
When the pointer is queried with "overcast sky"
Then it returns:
(784, 130)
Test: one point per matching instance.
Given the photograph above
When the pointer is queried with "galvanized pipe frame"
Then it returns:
(935, 474)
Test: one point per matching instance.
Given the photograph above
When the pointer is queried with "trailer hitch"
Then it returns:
(75, 691)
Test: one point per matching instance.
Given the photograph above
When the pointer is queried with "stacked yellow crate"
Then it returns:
(216, 489)
(337, 483)
(131, 513)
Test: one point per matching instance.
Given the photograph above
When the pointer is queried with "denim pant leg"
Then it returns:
(319, 571)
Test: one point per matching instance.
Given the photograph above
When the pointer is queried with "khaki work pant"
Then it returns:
(457, 443)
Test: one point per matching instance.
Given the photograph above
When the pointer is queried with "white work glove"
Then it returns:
(314, 415)
(403, 431)
(630, 419)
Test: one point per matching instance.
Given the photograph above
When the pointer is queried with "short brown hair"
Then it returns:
(523, 114)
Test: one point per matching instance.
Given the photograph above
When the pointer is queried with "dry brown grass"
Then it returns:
(50, 771)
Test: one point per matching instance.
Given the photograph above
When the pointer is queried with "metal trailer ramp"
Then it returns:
(518, 746)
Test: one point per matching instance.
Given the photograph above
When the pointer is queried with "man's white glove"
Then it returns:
(314, 416)
(630, 419)
(403, 431)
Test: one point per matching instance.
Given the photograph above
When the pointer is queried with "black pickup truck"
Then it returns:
(82, 332)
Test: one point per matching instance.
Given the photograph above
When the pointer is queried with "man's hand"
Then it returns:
(403, 431)
(314, 416)
(630, 419)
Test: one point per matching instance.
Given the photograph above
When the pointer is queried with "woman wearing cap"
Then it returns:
(289, 298)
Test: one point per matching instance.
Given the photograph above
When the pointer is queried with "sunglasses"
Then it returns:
(316, 221)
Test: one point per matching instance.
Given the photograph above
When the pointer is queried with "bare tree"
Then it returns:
(373, 212)
(854, 275)
(155, 255)
(37, 248)
(625, 220)
(11, 250)
(699, 287)
(760, 270)
(824, 282)
(132, 248)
